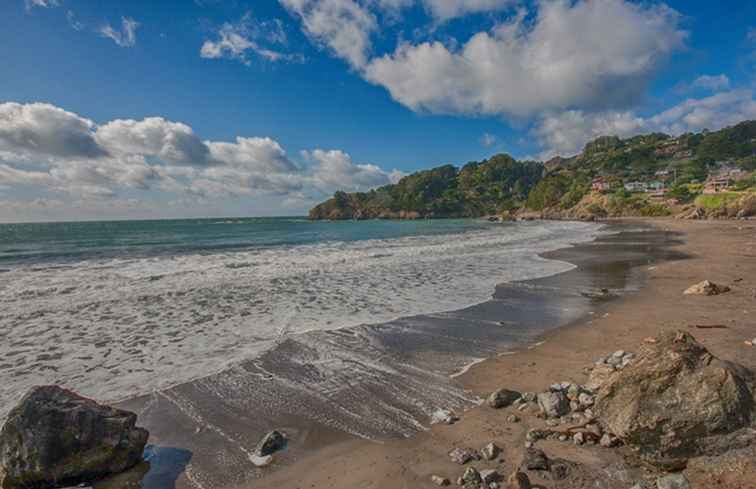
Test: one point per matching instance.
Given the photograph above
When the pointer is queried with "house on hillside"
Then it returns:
(635, 186)
(655, 186)
(663, 174)
(681, 155)
(715, 184)
(599, 184)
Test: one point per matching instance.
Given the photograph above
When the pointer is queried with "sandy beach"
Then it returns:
(722, 251)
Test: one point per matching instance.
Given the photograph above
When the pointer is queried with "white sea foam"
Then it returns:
(116, 328)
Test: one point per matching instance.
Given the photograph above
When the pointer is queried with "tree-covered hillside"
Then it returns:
(502, 184)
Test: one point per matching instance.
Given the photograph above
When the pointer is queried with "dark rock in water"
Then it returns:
(535, 459)
(675, 401)
(503, 398)
(58, 437)
(272, 442)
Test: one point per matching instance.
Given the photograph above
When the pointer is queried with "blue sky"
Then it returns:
(133, 109)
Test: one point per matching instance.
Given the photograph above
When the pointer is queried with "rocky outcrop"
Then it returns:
(706, 288)
(502, 398)
(58, 437)
(675, 401)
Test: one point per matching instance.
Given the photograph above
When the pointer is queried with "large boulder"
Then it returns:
(58, 437)
(675, 401)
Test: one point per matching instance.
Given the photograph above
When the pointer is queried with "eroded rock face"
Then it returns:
(675, 401)
(56, 436)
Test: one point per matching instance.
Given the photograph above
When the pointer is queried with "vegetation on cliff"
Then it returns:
(563, 187)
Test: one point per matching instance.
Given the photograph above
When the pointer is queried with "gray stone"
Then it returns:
(672, 481)
(535, 459)
(463, 455)
(490, 451)
(440, 481)
(553, 404)
(471, 476)
(502, 398)
(489, 476)
(56, 436)
(706, 288)
(271, 443)
(518, 480)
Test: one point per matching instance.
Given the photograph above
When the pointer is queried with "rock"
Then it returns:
(271, 443)
(518, 480)
(675, 401)
(502, 398)
(560, 469)
(471, 476)
(706, 288)
(672, 481)
(489, 476)
(444, 416)
(585, 399)
(562, 437)
(440, 481)
(598, 376)
(573, 392)
(553, 404)
(578, 438)
(529, 396)
(535, 459)
(490, 451)
(513, 418)
(607, 441)
(56, 436)
(463, 455)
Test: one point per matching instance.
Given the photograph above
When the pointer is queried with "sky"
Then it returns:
(208, 108)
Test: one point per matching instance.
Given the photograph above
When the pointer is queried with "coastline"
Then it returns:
(715, 251)
(220, 418)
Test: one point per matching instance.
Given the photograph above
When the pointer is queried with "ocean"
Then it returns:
(116, 310)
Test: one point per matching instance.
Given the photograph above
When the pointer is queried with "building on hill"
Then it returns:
(655, 186)
(599, 184)
(716, 184)
(682, 155)
(635, 186)
(663, 174)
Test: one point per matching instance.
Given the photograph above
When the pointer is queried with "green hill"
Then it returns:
(502, 184)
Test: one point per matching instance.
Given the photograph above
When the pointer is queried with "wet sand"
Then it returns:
(364, 391)
(724, 252)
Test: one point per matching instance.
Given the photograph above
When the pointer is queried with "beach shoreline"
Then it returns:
(714, 250)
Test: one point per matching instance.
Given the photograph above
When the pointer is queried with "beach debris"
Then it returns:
(490, 451)
(471, 476)
(675, 401)
(463, 455)
(440, 481)
(55, 434)
(270, 443)
(518, 480)
(598, 294)
(503, 398)
(672, 481)
(444, 416)
(535, 459)
(706, 288)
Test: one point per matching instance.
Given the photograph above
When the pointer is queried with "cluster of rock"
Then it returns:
(706, 288)
(58, 437)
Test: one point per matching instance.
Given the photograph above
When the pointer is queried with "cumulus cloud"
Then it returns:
(567, 132)
(344, 26)
(590, 54)
(334, 169)
(172, 142)
(126, 37)
(488, 140)
(48, 149)
(236, 41)
(43, 129)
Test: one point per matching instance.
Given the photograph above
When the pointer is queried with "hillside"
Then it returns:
(649, 175)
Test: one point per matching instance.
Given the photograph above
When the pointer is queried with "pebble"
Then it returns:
(440, 481)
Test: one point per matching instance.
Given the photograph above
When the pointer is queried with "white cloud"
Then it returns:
(448, 9)
(235, 41)
(590, 54)
(711, 82)
(43, 129)
(567, 132)
(126, 37)
(73, 21)
(344, 26)
(172, 142)
(30, 4)
(45, 149)
(488, 140)
(335, 170)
